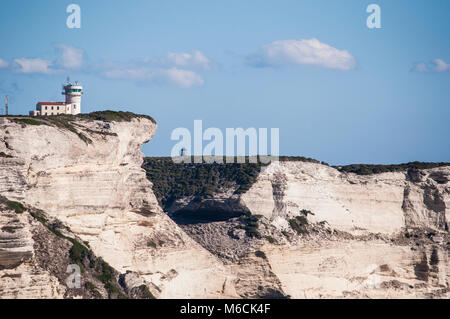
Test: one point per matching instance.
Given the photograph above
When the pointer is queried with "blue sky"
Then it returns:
(337, 90)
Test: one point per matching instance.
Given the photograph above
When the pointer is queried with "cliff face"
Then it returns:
(381, 203)
(38, 255)
(90, 178)
(326, 233)
(390, 236)
(21, 274)
(296, 229)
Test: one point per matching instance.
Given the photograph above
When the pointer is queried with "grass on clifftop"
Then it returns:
(67, 121)
(27, 121)
(172, 181)
(106, 116)
(369, 169)
(113, 116)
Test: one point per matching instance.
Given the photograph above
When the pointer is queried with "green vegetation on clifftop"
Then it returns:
(368, 169)
(172, 181)
(68, 122)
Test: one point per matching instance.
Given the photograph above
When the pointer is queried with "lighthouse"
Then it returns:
(73, 93)
(72, 105)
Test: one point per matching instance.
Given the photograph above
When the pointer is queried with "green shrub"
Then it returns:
(114, 291)
(434, 258)
(66, 121)
(301, 220)
(250, 225)
(298, 224)
(116, 116)
(27, 121)
(39, 216)
(172, 181)
(298, 159)
(2, 154)
(306, 212)
(16, 206)
(369, 169)
(84, 257)
(107, 273)
(78, 252)
(252, 232)
(151, 243)
(93, 289)
(260, 254)
(145, 293)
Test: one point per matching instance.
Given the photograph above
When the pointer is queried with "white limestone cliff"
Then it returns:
(99, 190)
(380, 203)
(397, 224)
(374, 236)
(382, 235)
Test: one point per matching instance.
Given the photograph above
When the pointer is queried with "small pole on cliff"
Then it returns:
(6, 105)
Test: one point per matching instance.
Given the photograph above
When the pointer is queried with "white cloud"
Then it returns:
(3, 63)
(182, 78)
(71, 57)
(420, 67)
(186, 60)
(179, 77)
(37, 65)
(312, 52)
(179, 69)
(440, 65)
(436, 65)
(129, 73)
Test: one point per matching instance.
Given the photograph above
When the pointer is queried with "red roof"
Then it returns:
(52, 103)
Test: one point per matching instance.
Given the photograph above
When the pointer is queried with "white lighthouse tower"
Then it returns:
(73, 93)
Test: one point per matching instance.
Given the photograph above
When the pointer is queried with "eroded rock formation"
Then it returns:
(331, 234)
(90, 178)
(74, 191)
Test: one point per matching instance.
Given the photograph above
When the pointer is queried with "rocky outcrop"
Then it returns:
(381, 203)
(331, 234)
(75, 192)
(39, 259)
(21, 276)
(359, 269)
(87, 174)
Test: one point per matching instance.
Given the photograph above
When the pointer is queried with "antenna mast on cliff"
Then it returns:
(6, 105)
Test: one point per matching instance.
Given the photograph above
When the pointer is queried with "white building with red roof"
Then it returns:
(72, 105)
